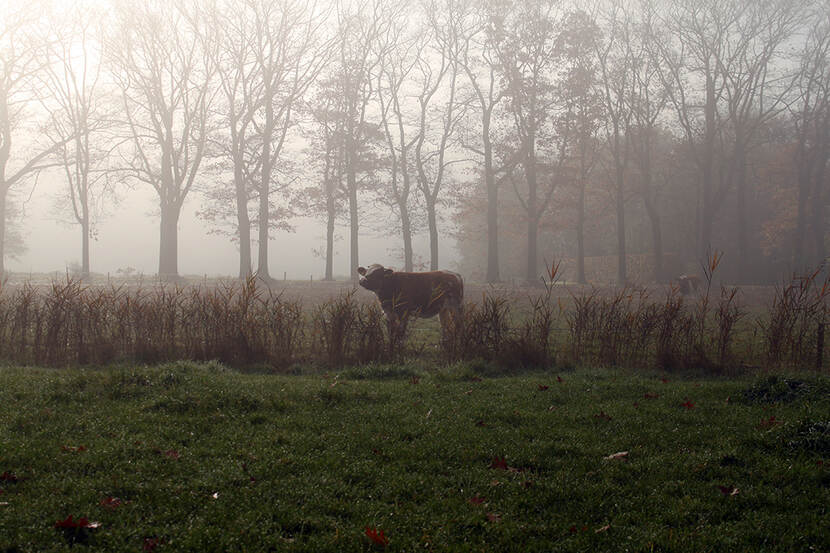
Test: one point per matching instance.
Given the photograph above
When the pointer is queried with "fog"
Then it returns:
(620, 141)
(128, 237)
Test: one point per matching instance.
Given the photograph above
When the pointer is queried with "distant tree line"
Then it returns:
(532, 130)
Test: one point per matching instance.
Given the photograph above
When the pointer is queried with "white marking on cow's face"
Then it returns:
(371, 280)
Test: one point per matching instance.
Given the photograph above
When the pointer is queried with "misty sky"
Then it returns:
(129, 235)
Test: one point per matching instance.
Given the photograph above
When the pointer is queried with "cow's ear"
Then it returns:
(388, 272)
(361, 271)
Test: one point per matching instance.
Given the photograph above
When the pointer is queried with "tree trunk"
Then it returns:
(621, 253)
(3, 216)
(492, 204)
(85, 243)
(532, 217)
(656, 239)
(330, 216)
(743, 268)
(804, 192)
(406, 231)
(432, 223)
(707, 172)
(262, 259)
(243, 223)
(169, 242)
(580, 237)
(354, 227)
(819, 209)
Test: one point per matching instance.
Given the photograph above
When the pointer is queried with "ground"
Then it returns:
(198, 457)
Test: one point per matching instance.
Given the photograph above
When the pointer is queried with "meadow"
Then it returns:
(225, 416)
(199, 457)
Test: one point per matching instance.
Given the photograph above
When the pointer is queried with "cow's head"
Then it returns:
(372, 278)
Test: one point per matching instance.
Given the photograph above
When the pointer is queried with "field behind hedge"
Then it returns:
(460, 457)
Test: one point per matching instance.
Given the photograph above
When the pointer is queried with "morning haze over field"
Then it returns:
(556, 275)
(628, 140)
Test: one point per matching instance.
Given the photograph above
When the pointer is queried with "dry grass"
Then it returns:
(75, 323)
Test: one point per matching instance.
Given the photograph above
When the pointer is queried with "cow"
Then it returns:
(403, 295)
(688, 284)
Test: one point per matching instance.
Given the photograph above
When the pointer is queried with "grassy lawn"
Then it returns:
(187, 457)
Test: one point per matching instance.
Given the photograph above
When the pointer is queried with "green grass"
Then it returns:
(207, 459)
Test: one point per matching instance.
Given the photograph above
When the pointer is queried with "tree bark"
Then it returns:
(168, 242)
(580, 236)
(331, 212)
(243, 223)
(4, 191)
(532, 213)
(492, 203)
(432, 224)
(354, 224)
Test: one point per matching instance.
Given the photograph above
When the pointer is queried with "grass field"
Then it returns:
(196, 457)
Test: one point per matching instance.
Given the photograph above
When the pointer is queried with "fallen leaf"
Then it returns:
(543, 388)
(82, 522)
(769, 423)
(729, 490)
(111, 502)
(481, 424)
(377, 536)
(493, 517)
(622, 455)
(650, 396)
(172, 454)
(603, 415)
(476, 500)
(499, 463)
(688, 404)
(8, 477)
(602, 529)
(559, 379)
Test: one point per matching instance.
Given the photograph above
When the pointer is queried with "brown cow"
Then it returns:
(424, 295)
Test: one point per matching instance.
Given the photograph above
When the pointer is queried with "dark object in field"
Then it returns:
(688, 284)
(403, 295)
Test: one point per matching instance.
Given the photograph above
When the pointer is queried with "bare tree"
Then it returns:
(23, 57)
(77, 119)
(647, 101)
(358, 29)
(718, 59)
(479, 61)
(161, 61)
(615, 59)
(438, 74)
(398, 52)
(271, 52)
(811, 115)
(528, 47)
(326, 144)
(290, 50)
(581, 114)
